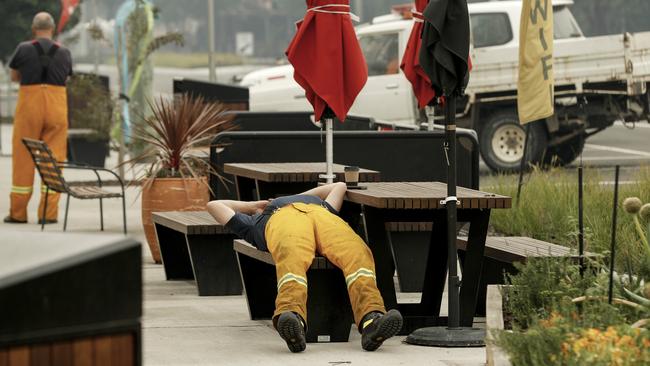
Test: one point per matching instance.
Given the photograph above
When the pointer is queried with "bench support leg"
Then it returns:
(174, 253)
(328, 304)
(259, 286)
(214, 264)
(328, 307)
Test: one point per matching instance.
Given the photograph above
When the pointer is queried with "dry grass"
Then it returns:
(548, 210)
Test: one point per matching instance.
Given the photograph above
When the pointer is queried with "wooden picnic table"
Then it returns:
(256, 181)
(420, 202)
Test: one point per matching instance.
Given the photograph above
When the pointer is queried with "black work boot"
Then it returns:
(11, 220)
(378, 327)
(292, 330)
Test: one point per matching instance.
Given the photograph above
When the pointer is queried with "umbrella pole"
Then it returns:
(430, 112)
(329, 150)
(451, 204)
(453, 335)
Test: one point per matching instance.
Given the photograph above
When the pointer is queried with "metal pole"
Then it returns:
(95, 44)
(613, 243)
(10, 110)
(581, 226)
(359, 8)
(430, 111)
(451, 203)
(522, 167)
(329, 150)
(211, 65)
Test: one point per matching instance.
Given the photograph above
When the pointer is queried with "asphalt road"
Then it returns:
(626, 145)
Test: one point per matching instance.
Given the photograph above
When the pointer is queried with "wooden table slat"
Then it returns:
(292, 172)
(423, 195)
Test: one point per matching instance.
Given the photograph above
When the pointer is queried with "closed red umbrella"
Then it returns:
(328, 62)
(411, 61)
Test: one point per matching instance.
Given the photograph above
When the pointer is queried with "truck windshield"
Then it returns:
(381, 53)
(564, 25)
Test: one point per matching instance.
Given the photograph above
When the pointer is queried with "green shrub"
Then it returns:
(90, 105)
(562, 318)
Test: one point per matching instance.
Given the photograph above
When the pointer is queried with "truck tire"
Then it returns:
(502, 142)
(565, 153)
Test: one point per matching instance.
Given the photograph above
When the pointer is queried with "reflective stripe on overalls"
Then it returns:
(41, 114)
(295, 233)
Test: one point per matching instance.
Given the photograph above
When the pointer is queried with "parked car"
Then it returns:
(599, 80)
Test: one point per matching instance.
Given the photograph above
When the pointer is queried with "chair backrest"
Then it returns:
(399, 156)
(47, 165)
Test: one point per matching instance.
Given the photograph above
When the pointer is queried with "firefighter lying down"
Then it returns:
(293, 229)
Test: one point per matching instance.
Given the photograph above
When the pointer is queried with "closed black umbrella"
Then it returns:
(445, 46)
(444, 57)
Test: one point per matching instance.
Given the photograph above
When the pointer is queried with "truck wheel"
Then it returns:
(565, 153)
(502, 142)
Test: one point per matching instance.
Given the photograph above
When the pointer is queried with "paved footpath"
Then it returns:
(181, 328)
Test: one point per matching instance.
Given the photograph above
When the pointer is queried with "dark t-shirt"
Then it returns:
(251, 228)
(27, 61)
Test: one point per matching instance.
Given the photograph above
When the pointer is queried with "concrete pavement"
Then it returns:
(181, 328)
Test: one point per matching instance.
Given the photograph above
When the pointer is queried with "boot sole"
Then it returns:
(292, 332)
(391, 324)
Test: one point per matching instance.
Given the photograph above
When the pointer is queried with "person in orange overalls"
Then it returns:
(42, 67)
(293, 229)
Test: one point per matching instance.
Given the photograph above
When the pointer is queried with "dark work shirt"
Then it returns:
(27, 61)
(251, 228)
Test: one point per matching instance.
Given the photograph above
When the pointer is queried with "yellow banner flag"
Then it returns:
(536, 81)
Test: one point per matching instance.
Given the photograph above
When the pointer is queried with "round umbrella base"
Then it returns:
(447, 337)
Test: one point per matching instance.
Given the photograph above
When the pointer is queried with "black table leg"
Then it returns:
(245, 189)
(473, 265)
(435, 274)
(427, 312)
(384, 264)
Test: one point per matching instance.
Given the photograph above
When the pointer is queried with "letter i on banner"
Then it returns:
(536, 78)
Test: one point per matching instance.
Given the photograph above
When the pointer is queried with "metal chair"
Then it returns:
(52, 177)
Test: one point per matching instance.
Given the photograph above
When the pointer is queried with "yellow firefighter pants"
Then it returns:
(42, 114)
(295, 233)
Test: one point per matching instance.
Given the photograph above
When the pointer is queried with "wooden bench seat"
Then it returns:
(512, 249)
(194, 246)
(410, 239)
(502, 252)
(328, 305)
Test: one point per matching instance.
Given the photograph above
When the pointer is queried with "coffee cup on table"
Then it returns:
(351, 175)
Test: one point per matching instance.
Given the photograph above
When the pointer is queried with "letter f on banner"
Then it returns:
(536, 79)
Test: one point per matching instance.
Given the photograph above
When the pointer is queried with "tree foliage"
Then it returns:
(16, 23)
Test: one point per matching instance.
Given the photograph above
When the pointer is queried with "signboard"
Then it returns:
(245, 43)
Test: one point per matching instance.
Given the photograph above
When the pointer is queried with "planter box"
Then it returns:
(85, 149)
(494, 322)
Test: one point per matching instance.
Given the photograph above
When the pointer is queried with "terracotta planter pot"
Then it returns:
(170, 194)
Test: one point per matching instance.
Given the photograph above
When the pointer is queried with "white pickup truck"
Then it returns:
(599, 80)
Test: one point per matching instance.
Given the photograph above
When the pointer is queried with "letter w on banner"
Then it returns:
(536, 78)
